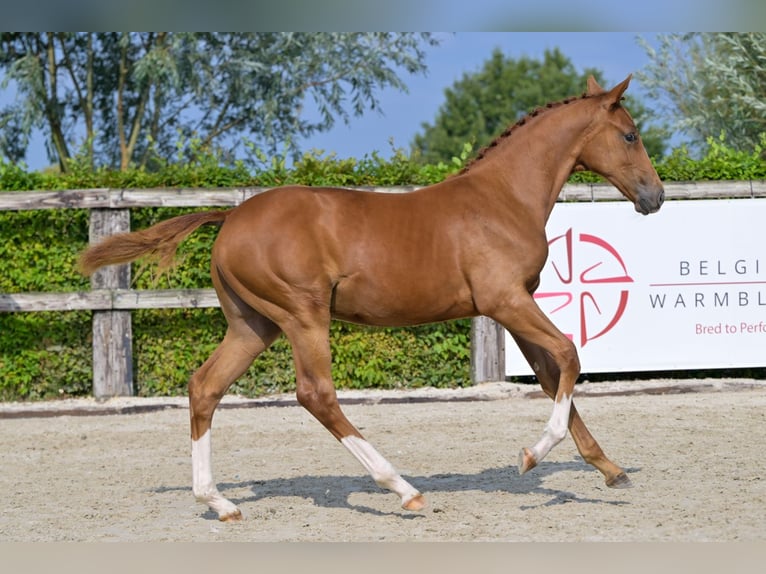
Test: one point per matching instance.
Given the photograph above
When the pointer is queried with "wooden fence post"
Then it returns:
(112, 330)
(487, 350)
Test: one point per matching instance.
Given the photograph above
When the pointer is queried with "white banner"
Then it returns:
(680, 289)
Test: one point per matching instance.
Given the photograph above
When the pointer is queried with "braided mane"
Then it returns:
(512, 128)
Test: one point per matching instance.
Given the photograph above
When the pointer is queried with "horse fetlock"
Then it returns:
(205, 492)
(388, 480)
(556, 431)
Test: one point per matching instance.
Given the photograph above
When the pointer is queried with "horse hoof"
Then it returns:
(527, 460)
(417, 502)
(619, 481)
(235, 516)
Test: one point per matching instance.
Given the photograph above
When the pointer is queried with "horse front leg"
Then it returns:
(547, 374)
(553, 433)
(524, 319)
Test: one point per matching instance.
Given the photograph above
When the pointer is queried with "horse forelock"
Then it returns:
(513, 128)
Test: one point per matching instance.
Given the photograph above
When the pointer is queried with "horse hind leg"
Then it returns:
(547, 373)
(316, 393)
(242, 343)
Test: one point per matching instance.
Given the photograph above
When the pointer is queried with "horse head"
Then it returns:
(615, 151)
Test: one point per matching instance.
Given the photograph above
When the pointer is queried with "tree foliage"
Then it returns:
(708, 84)
(482, 104)
(130, 97)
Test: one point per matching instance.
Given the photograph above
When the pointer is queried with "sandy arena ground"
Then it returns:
(120, 470)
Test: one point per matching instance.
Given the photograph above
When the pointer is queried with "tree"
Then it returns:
(132, 98)
(708, 84)
(481, 105)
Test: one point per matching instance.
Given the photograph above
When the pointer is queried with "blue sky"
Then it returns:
(617, 54)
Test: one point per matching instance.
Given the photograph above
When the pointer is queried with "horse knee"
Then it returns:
(567, 359)
(550, 363)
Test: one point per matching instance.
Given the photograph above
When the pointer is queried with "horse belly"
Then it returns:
(362, 299)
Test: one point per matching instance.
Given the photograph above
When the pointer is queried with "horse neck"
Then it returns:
(533, 163)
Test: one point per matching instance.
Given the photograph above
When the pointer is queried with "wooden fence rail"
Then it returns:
(112, 301)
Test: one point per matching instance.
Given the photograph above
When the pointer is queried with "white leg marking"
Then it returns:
(382, 471)
(555, 430)
(202, 478)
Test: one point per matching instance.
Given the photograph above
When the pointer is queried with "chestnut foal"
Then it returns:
(294, 258)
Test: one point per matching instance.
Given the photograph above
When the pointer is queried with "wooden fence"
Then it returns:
(112, 300)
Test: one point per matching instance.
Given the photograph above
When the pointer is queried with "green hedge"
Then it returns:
(48, 354)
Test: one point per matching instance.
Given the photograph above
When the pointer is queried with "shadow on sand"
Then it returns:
(332, 491)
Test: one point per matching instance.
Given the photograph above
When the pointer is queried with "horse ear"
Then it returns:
(593, 88)
(615, 94)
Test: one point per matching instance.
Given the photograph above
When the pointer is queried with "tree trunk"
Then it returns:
(52, 106)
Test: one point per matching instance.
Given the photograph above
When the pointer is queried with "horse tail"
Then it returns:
(159, 242)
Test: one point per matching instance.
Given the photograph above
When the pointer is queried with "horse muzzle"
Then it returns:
(650, 201)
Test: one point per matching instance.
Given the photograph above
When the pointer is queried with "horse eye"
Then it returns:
(631, 137)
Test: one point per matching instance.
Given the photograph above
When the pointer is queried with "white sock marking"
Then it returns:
(555, 430)
(382, 471)
(203, 486)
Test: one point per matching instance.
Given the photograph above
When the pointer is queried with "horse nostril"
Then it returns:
(661, 197)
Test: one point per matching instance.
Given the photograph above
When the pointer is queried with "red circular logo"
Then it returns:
(583, 285)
